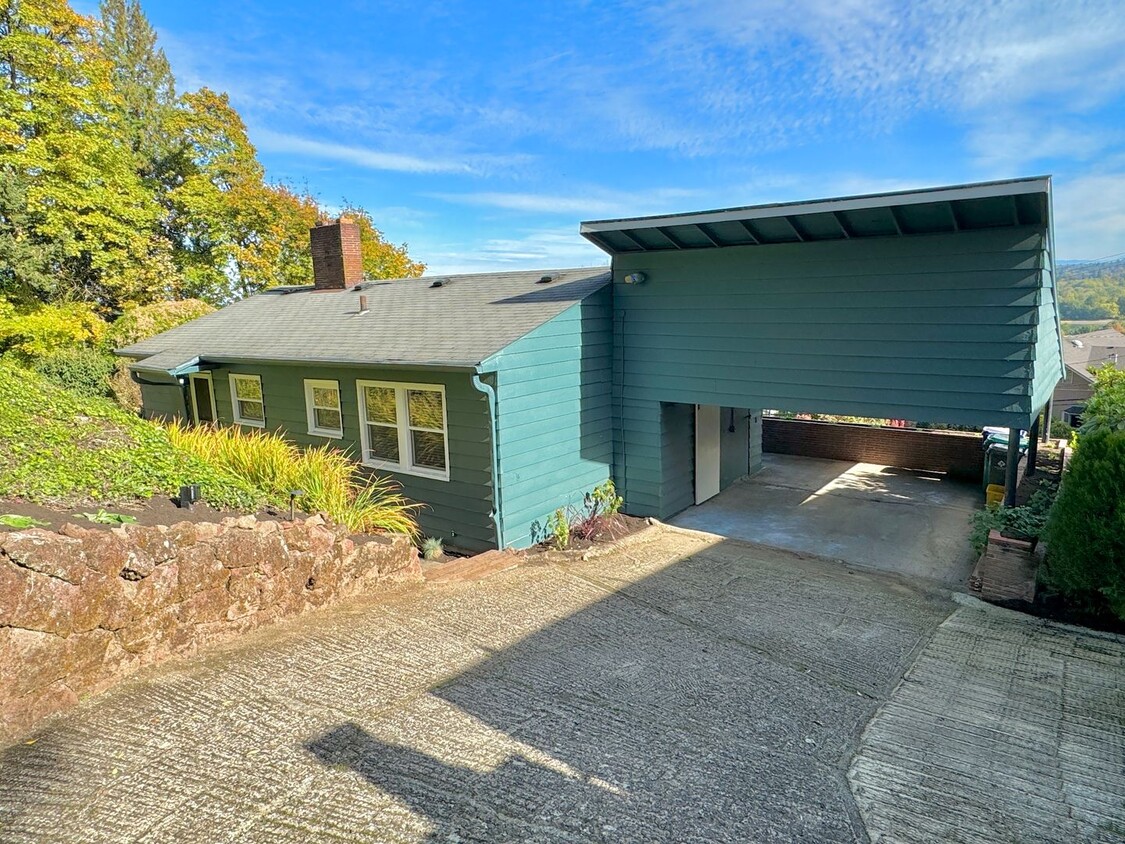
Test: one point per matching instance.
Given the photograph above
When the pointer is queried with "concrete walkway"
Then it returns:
(1005, 729)
(680, 688)
(897, 520)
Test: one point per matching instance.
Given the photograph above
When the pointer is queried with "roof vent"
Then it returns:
(547, 279)
(362, 305)
(1077, 343)
(441, 282)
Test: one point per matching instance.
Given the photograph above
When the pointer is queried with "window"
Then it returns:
(247, 401)
(404, 428)
(322, 403)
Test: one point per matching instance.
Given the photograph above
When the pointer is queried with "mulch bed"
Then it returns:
(610, 529)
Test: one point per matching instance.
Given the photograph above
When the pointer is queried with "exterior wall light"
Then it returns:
(635, 278)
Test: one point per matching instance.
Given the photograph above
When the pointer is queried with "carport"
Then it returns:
(866, 514)
(933, 305)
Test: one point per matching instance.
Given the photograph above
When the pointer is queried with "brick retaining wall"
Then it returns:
(957, 453)
(83, 608)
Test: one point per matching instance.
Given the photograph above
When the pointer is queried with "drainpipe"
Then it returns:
(497, 508)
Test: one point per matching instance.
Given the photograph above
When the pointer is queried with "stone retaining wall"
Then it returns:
(82, 608)
(957, 453)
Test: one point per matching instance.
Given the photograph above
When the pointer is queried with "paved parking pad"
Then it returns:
(677, 688)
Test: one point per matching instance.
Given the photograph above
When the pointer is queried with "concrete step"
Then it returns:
(472, 568)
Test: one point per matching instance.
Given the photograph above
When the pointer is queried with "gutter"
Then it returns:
(497, 505)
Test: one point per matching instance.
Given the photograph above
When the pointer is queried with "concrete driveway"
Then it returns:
(678, 688)
(897, 520)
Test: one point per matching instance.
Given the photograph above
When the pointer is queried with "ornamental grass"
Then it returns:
(331, 482)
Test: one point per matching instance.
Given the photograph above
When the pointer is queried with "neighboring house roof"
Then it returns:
(1094, 349)
(984, 205)
(458, 323)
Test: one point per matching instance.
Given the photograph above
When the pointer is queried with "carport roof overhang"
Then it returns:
(984, 205)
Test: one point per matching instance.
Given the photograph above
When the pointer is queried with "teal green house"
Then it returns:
(495, 399)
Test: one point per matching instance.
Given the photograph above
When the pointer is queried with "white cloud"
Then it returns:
(535, 249)
(360, 156)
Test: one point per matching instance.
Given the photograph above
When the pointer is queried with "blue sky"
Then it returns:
(482, 131)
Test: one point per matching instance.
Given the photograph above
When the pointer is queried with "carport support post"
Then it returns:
(1011, 467)
(1032, 447)
(1047, 419)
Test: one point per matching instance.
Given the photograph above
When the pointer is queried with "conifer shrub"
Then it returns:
(1086, 528)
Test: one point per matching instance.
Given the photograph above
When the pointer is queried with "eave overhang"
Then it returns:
(984, 205)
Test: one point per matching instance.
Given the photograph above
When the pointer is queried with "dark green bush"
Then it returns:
(1025, 522)
(1060, 430)
(81, 370)
(1086, 529)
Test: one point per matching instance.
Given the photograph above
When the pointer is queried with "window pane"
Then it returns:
(380, 404)
(248, 388)
(251, 410)
(328, 420)
(382, 443)
(326, 397)
(429, 449)
(425, 409)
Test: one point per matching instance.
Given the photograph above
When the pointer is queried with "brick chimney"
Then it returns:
(336, 255)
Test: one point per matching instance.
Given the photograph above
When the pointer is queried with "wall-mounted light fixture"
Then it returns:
(635, 278)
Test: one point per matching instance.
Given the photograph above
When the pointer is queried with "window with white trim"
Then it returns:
(403, 427)
(322, 403)
(247, 400)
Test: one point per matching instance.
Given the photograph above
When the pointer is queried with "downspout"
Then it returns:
(497, 507)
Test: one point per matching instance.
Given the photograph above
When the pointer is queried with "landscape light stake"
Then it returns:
(293, 493)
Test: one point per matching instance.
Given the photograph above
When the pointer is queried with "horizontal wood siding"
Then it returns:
(936, 327)
(554, 417)
(942, 328)
(163, 401)
(458, 510)
(677, 438)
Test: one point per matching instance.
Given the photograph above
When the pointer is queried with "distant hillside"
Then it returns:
(1092, 289)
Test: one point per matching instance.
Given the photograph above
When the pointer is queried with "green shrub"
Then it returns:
(1060, 430)
(1086, 529)
(81, 369)
(559, 527)
(1023, 522)
(1105, 411)
(432, 548)
(28, 333)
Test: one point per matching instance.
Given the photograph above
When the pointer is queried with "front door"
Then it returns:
(202, 398)
(706, 452)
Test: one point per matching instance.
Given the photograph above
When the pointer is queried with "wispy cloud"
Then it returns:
(547, 248)
(374, 159)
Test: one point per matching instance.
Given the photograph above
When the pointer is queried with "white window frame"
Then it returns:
(312, 384)
(405, 441)
(204, 376)
(234, 378)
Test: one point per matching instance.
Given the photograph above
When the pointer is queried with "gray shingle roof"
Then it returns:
(1095, 348)
(409, 321)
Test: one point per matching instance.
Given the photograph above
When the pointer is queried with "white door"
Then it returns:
(706, 452)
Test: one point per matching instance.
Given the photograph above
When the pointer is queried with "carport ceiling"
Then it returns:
(986, 205)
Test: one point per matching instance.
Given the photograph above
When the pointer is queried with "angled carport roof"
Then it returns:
(984, 205)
